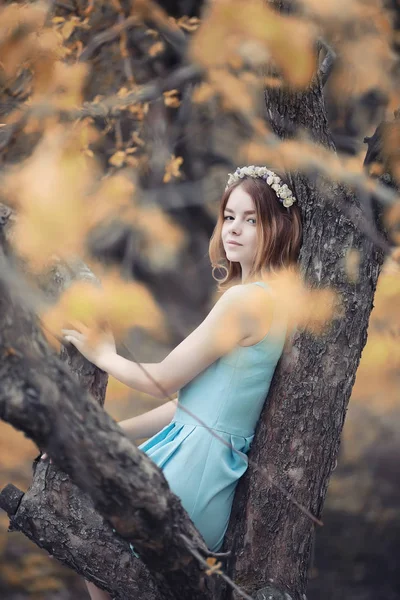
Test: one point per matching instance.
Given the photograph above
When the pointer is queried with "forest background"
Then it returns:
(131, 144)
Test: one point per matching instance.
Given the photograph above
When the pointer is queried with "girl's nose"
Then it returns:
(235, 227)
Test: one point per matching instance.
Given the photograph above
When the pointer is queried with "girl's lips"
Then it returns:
(233, 244)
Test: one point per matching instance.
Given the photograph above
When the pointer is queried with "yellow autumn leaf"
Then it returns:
(172, 168)
(189, 24)
(215, 566)
(122, 92)
(156, 48)
(118, 158)
(68, 28)
(171, 98)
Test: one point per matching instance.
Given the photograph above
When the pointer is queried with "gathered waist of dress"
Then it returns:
(185, 419)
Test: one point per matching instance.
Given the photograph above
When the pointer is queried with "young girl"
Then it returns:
(223, 369)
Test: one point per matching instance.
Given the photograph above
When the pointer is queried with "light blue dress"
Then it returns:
(228, 397)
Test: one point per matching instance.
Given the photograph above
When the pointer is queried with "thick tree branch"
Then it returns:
(39, 396)
(59, 518)
(54, 513)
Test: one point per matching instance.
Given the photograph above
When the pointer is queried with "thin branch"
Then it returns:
(204, 563)
(175, 37)
(107, 36)
(326, 67)
(64, 5)
(114, 105)
(125, 55)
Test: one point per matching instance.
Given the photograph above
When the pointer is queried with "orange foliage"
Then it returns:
(117, 304)
(288, 40)
(306, 308)
(172, 168)
(49, 190)
(377, 382)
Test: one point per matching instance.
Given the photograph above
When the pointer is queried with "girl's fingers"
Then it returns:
(72, 332)
(74, 337)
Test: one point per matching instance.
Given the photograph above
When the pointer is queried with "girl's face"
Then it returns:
(239, 230)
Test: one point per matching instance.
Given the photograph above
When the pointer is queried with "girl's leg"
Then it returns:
(95, 593)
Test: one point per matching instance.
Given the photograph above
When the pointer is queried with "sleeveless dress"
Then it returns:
(228, 397)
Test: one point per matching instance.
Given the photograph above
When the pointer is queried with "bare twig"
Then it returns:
(114, 105)
(107, 36)
(326, 67)
(64, 5)
(217, 571)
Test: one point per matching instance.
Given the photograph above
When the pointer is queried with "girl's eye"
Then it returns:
(254, 221)
(227, 217)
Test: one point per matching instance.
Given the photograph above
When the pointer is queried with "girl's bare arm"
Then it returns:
(150, 423)
(236, 316)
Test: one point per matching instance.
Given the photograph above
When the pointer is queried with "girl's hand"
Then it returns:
(94, 348)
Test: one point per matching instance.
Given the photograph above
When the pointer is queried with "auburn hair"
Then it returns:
(279, 233)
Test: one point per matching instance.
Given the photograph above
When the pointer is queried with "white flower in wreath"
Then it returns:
(276, 187)
(287, 202)
(270, 180)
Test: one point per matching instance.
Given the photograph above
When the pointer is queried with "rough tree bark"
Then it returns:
(298, 435)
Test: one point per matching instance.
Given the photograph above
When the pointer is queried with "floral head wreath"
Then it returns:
(284, 194)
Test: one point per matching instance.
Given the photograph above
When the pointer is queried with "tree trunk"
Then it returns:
(298, 435)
